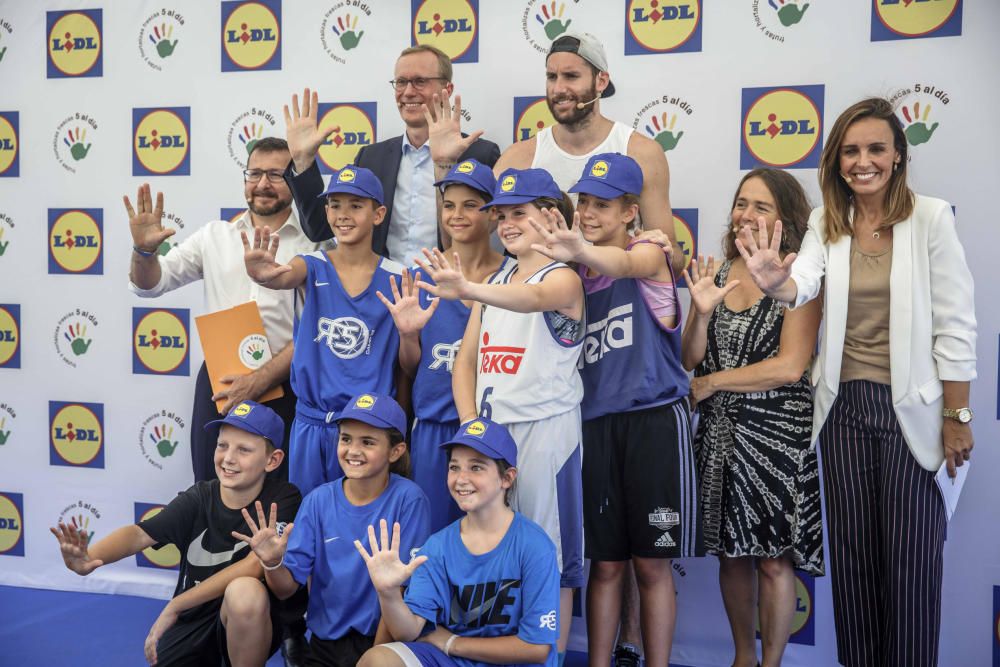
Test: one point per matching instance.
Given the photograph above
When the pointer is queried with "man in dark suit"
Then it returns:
(403, 164)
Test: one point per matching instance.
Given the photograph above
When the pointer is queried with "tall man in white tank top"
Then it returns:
(576, 79)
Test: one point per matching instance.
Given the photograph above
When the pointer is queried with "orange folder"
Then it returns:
(234, 343)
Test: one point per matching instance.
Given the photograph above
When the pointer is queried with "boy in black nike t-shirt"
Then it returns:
(220, 593)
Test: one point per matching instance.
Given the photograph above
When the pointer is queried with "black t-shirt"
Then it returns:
(199, 524)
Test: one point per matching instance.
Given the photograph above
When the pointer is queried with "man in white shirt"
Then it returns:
(214, 253)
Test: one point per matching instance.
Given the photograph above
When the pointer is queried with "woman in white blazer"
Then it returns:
(891, 379)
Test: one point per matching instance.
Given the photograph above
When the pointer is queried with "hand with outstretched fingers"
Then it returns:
(351, 39)
(73, 546)
(791, 13)
(259, 257)
(444, 126)
(668, 140)
(450, 283)
(80, 346)
(662, 131)
(705, 294)
(560, 242)
(302, 129)
(385, 568)
(165, 447)
(919, 133)
(237, 388)
(556, 27)
(264, 539)
(146, 223)
(405, 308)
(764, 263)
(79, 151)
(165, 47)
(163, 622)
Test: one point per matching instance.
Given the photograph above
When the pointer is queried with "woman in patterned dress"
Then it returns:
(759, 480)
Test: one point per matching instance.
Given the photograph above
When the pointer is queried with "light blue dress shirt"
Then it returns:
(414, 209)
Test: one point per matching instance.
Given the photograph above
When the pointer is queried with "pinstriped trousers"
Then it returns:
(886, 526)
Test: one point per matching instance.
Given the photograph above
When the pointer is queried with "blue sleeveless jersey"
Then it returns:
(343, 344)
(629, 361)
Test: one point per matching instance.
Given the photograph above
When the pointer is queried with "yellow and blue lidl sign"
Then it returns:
(251, 35)
(11, 524)
(161, 138)
(662, 26)
(353, 126)
(531, 116)
(10, 335)
(10, 162)
(76, 434)
(76, 241)
(914, 19)
(782, 127)
(167, 557)
(161, 341)
(450, 25)
(74, 43)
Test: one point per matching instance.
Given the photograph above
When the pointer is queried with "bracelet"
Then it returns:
(271, 568)
(143, 253)
(444, 165)
(447, 645)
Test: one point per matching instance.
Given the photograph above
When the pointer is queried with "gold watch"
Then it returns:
(961, 415)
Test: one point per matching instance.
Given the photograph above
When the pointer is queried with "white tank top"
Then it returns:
(524, 372)
(566, 169)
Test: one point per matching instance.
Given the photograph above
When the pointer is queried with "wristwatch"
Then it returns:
(961, 415)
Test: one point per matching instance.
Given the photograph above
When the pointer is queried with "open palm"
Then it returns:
(763, 256)
(386, 570)
(258, 256)
(264, 539)
(450, 282)
(705, 294)
(145, 222)
(405, 308)
(444, 127)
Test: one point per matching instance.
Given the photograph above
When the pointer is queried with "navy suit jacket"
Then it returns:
(383, 158)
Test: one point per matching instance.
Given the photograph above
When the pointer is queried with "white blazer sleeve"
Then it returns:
(952, 302)
(810, 264)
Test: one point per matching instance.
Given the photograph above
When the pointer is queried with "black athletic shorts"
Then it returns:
(343, 652)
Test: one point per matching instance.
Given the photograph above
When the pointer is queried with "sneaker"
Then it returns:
(626, 655)
(294, 650)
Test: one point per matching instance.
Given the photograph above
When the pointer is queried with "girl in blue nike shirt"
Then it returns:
(483, 591)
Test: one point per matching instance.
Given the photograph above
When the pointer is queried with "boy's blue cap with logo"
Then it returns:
(488, 438)
(609, 176)
(519, 186)
(253, 417)
(472, 173)
(376, 410)
(356, 181)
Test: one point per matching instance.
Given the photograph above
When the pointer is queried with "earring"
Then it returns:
(895, 165)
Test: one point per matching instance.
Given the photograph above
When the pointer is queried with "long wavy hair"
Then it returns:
(838, 198)
(792, 205)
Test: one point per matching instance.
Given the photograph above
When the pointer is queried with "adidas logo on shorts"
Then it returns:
(665, 541)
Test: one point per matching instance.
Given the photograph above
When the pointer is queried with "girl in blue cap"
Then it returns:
(638, 467)
(484, 590)
(430, 331)
(517, 364)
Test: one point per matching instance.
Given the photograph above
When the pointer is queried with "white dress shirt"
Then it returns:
(414, 207)
(215, 253)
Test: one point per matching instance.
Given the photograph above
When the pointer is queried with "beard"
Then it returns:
(277, 205)
(575, 115)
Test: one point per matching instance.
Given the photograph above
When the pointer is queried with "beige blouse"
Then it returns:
(866, 340)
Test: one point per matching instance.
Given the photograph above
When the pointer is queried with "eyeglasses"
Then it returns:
(254, 175)
(418, 82)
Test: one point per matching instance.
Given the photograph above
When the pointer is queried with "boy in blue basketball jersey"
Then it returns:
(344, 338)
(431, 329)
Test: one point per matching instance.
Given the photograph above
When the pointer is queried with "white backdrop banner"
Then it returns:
(100, 96)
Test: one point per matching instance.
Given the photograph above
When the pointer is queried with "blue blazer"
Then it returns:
(384, 159)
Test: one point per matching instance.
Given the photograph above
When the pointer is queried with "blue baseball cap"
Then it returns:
(486, 437)
(519, 186)
(356, 181)
(255, 418)
(472, 173)
(375, 410)
(609, 176)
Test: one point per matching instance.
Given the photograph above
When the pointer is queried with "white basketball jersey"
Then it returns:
(524, 371)
(566, 169)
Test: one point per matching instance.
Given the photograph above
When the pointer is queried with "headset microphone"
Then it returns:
(584, 105)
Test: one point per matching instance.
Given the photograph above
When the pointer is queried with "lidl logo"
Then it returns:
(476, 428)
(11, 524)
(465, 168)
(10, 163)
(910, 19)
(167, 557)
(160, 141)
(364, 402)
(600, 169)
(346, 175)
(76, 241)
(10, 335)
(508, 183)
(353, 126)
(242, 410)
(686, 233)
(76, 434)
(160, 341)
(75, 44)
(531, 115)
(782, 127)
(251, 35)
(450, 25)
(662, 26)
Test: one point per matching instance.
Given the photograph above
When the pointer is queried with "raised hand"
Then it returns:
(560, 242)
(302, 129)
(385, 568)
(700, 278)
(264, 539)
(444, 127)
(259, 257)
(146, 225)
(767, 269)
(450, 283)
(73, 546)
(405, 306)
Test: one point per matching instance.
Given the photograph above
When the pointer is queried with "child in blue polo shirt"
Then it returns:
(483, 591)
(343, 612)
(345, 338)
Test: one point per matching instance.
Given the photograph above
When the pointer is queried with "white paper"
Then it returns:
(951, 488)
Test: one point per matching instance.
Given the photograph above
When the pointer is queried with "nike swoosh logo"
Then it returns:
(468, 618)
(199, 557)
(319, 284)
(331, 539)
